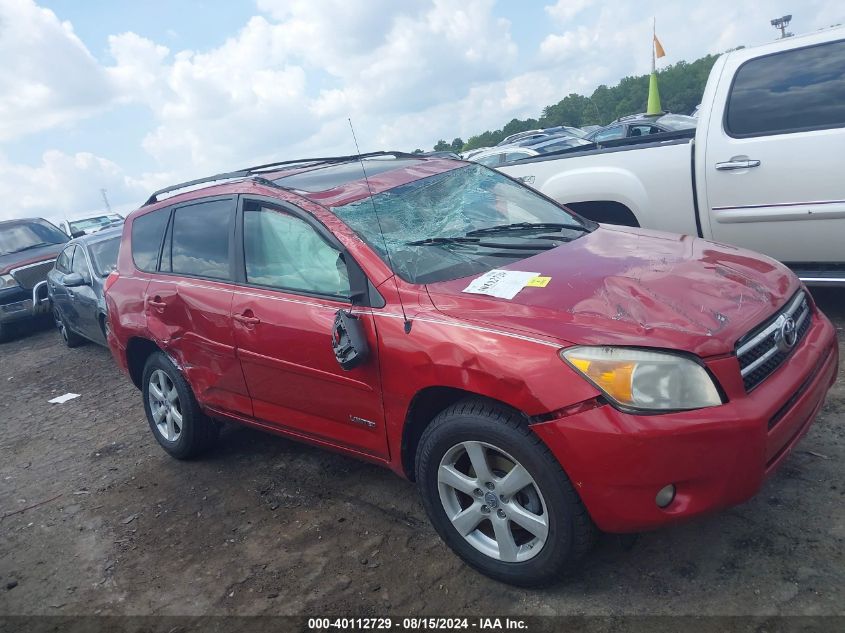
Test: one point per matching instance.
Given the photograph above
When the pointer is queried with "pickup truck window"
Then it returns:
(792, 91)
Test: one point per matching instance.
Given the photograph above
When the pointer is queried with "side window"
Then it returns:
(147, 233)
(80, 264)
(515, 156)
(285, 252)
(800, 89)
(63, 262)
(200, 239)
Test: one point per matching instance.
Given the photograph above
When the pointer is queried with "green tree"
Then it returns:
(457, 144)
(681, 87)
(442, 146)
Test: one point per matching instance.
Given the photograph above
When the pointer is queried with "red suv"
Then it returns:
(537, 374)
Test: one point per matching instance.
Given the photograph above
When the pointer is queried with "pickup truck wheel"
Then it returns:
(176, 420)
(70, 338)
(498, 497)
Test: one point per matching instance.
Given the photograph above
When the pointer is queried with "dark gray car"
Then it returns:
(75, 286)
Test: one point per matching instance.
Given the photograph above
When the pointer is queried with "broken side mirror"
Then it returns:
(349, 341)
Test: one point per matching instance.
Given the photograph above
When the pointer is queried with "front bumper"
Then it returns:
(715, 457)
(19, 304)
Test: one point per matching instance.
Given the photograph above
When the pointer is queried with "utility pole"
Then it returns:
(781, 23)
(105, 199)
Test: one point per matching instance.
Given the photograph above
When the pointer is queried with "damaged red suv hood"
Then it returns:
(626, 286)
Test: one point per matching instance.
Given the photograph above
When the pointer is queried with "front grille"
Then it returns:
(28, 276)
(762, 351)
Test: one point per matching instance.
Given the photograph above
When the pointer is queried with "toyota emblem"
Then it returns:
(786, 335)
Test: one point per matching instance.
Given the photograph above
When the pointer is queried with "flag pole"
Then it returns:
(653, 106)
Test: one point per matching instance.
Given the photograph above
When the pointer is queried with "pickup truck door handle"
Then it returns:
(157, 303)
(247, 318)
(737, 164)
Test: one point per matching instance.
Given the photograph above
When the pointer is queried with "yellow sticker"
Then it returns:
(538, 282)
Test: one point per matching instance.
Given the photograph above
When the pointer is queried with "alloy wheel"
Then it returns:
(165, 406)
(493, 501)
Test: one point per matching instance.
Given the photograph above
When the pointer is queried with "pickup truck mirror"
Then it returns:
(75, 234)
(72, 280)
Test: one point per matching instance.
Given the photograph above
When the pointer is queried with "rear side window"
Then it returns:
(792, 91)
(200, 240)
(147, 233)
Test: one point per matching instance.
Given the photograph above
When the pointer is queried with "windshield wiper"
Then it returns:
(474, 241)
(429, 241)
(527, 226)
(30, 247)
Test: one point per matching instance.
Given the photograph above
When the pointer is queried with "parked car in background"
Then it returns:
(590, 128)
(28, 248)
(496, 156)
(762, 170)
(642, 125)
(75, 286)
(91, 224)
(536, 374)
(535, 135)
(519, 136)
(566, 129)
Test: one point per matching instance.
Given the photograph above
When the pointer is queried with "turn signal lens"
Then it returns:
(643, 379)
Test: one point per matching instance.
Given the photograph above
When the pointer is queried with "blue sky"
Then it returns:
(131, 96)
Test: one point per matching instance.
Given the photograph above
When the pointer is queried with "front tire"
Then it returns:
(498, 497)
(175, 417)
(70, 338)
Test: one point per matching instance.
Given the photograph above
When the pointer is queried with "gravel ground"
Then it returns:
(263, 525)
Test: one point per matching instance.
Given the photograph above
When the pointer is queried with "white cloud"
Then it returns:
(47, 76)
(284, 83)
(565, 10)
(62, 185)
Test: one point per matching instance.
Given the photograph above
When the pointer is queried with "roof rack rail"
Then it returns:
(252, 171)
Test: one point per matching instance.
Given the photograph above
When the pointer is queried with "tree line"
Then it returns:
(681, 87)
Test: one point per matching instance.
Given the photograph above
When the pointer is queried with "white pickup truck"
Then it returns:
(765, 168)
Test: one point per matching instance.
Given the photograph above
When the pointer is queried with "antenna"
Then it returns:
(380, 230)
(105, 199)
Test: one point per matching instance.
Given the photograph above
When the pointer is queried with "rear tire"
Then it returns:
(527, 533)
(175, 417)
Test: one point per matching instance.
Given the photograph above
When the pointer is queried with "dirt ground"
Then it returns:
(264, 525)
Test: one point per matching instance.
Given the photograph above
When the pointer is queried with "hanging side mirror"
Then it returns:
(349, 341)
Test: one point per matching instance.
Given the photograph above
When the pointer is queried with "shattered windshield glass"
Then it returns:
(430, 227)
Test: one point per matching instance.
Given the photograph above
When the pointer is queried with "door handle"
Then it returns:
(247, 318)
(157, 303)
(737, 164)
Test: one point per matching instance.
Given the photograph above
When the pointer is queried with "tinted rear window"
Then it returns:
(147, 233)
(201, 233)
(801, 89)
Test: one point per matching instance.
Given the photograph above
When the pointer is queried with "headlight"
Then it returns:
(641, 379)
(7, 281)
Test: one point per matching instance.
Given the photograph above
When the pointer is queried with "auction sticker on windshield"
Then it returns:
(504, 284)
